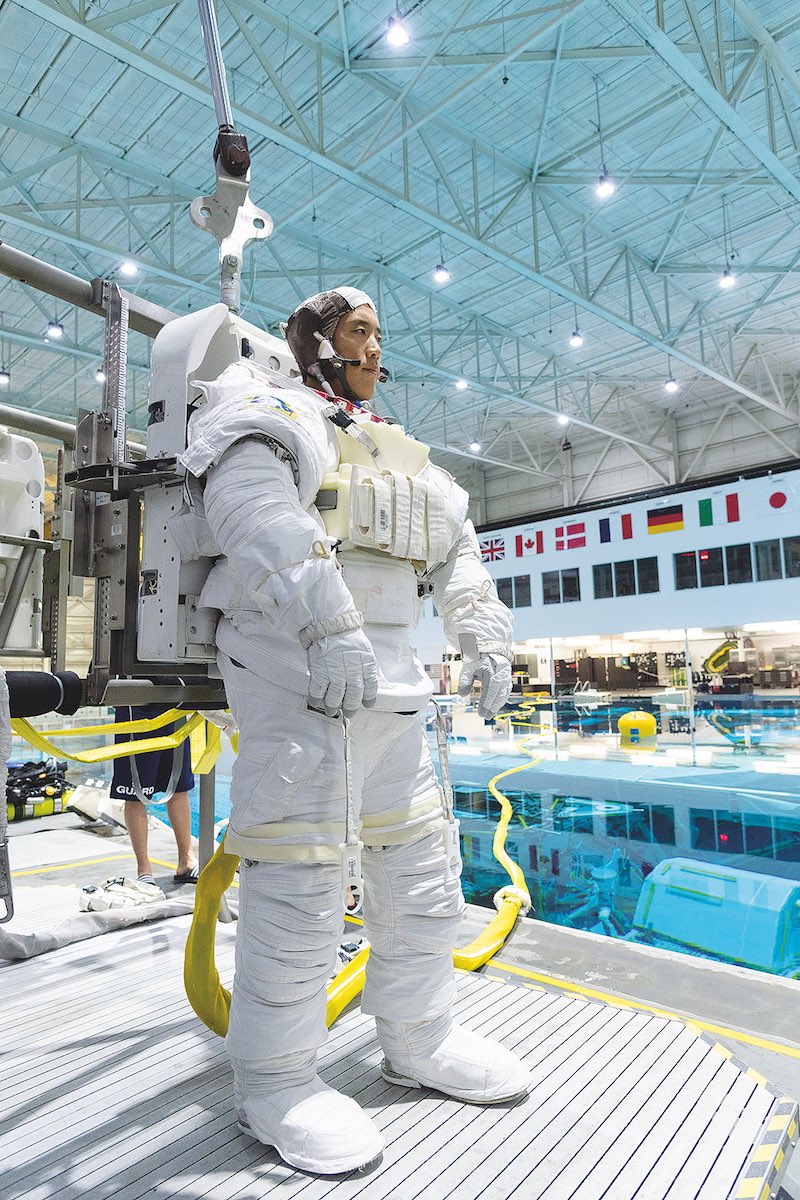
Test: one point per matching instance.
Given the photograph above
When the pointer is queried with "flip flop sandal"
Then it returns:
(186, 876)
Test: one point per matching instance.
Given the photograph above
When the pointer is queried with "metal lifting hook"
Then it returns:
(229, 215)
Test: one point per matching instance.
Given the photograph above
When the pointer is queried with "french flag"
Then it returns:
(616, 528)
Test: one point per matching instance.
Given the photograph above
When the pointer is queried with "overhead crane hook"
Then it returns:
(229, 215)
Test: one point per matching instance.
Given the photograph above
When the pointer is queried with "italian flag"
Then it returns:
(718, 509)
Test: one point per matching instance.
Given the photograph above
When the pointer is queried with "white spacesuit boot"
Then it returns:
(278, 1020)
(413, 906)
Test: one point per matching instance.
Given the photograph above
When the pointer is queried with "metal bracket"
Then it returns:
(6, 897)
(231, 217)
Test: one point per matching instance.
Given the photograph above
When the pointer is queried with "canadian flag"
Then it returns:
(571, 537)
(530, 541)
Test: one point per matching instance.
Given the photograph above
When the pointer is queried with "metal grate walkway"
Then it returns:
(112, 1088)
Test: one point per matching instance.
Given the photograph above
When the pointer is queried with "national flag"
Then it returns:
(665, 520)
(570, 537)
(530, 541)
(616, 528)
(492, 549)
(718, 509)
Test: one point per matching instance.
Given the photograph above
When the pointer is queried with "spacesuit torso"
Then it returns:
(385, 513)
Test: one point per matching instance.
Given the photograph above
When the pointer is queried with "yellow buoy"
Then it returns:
(637, 729)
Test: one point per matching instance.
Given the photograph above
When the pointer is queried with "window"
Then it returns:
(572, 814)
(603, 581)
(570, 585)
(646, 575)
(505, 592)
(768, 560)
(701, 823)
(561, 586)
(643, 823)
(730, 834)
(662, 819)
(522, 591)
(791, 556)
(739, 563)
(551, 587)
(468, 799)
(685, 570)
(527, 805)
(624, 578)
(787, 839)
(711, 572)
(757, 835)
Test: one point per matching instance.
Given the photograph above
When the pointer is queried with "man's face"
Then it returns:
(358, 335)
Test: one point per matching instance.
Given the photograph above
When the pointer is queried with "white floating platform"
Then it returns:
(113, 1088)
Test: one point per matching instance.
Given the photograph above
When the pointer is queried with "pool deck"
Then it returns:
(753, 1015)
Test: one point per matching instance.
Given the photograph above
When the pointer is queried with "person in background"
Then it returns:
(138, 778)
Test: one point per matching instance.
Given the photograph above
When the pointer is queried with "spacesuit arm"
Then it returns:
(476, 621)
(277, 551)
(279, 554)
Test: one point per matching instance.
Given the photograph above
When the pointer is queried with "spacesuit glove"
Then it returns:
(344, 673)
(493, 673)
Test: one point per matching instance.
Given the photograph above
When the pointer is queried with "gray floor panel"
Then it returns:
(115, 1090)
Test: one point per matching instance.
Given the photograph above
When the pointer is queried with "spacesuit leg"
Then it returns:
(287, 821)
(412, 909)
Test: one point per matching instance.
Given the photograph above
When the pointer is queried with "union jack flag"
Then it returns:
(492, 549)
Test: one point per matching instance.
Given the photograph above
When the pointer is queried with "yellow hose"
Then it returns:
(211, 1001)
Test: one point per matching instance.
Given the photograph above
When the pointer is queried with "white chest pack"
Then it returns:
(396, 502)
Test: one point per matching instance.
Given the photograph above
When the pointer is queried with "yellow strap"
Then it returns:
(206, 743)
(143, 725)
(209, 999)
(104, 753)
(212, 1002)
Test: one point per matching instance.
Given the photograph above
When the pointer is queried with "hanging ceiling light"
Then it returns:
(55, 331)
(475, 447)
(671, 386)
(5, 378)
(441, 273)
(397, 34)
(605, 186)
(100, 375)
(576, 337)
(563, 419)
(461, 385)
(727, 279)
(128, 269)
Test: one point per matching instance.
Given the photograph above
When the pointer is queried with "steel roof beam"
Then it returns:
(172, 79)
(716, 103)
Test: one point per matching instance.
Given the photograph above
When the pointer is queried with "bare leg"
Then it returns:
(136, 824)
(180, 818)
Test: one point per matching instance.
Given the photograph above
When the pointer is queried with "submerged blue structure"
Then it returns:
(722, 912)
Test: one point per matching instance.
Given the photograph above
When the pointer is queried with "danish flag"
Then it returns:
(571, 537)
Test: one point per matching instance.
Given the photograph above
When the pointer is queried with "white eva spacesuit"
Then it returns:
(283, 475)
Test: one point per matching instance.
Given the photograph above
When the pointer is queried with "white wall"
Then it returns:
(719, 607)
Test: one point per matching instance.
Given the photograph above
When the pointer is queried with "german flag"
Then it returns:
(665, 520)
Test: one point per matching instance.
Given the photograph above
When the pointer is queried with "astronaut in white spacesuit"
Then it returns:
(332, 525)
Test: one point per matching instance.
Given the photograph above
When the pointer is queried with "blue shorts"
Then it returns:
(154, 767)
